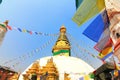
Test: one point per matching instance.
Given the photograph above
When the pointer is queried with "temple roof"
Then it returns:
(4, 68)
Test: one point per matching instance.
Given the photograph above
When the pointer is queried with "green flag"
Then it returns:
(0, 1)
(78, 2)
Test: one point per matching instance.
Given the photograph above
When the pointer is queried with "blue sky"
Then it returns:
(45, 16)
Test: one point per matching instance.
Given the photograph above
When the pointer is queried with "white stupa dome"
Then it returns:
(74, 66)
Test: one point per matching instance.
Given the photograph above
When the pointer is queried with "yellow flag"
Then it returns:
(24, 30)
(100, 4)
(86, 77)
(87, 10)
(116, 73)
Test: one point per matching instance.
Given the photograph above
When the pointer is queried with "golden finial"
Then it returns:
(6, 22)
(63, 29)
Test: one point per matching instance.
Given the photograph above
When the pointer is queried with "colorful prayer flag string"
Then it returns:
(87, 10)
(22, 58)
(29, 31)
(80, 52)
(83, 48)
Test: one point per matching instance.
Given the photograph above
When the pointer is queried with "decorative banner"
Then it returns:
(28, 55)
(86, 77)
(82, 49)
(81, 78)
(97, 27)
(104, 42)
(0, 1)
(92, 76)
(87, 10)
(106, 53)
(78, 3)
(103, 57)
(29, 31)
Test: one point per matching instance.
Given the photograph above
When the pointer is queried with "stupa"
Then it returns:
(60, 66)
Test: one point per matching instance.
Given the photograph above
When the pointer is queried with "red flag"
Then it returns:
(30, 32)
(9, 27)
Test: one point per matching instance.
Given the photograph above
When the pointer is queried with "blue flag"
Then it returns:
(97, 27)
(81, 78)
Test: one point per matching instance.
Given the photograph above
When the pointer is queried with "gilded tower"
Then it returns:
(32, 72)
(50, 72)
(47, 72)
(62, 46)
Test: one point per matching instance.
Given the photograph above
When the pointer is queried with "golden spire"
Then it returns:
(63, 34)
(63, 29)
(62, 44)
(34, 68)
(51, 69)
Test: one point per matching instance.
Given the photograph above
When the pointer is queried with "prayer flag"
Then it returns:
(19, 29)
(78, 2)
(97, 27)
(31, 32)
(105, 53)
(9, 27)
(103, 43)
(87, 10)
(0, 1)
(86, 77)
(92, 76)
(106, 50)
(81, 78)
(24, 30)
(36, 32)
